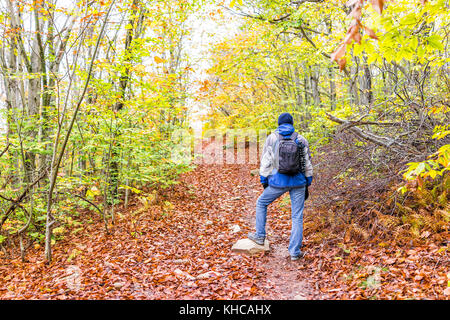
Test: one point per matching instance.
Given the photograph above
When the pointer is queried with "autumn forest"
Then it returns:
(131, 134)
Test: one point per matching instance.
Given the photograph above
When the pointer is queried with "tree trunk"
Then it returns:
(353, 84)
(331, 73)
(314, 79)
(123, 83)
(365, 81)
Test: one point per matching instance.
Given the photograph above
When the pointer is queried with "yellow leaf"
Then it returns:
(73, 254)
(233, 2)
(159, 60)
(59, 230)
(432, 174)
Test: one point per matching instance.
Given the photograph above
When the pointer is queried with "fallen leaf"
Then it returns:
(391, 261)
(447, 291)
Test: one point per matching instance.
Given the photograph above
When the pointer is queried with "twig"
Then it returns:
(16, 202)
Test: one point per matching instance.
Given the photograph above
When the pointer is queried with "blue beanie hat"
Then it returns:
(285, 118)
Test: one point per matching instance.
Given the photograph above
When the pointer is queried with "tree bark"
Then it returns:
(56, 159)
(365, 81)
(314, 79)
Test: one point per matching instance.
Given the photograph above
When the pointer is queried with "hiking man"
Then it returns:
(285, 166)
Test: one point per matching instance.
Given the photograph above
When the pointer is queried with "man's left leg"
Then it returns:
(297, 204)
(269, 195)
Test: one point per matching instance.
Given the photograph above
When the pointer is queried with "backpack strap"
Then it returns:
(293, 136)
(279, 136)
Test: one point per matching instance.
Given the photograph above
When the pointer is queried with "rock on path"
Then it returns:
(249, 247)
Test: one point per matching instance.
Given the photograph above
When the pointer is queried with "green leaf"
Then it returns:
(435, 41)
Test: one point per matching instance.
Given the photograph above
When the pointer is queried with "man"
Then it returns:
(276, 183)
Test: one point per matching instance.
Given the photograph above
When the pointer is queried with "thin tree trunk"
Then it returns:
(123, 83)
(314, 78)
(353, 84)
(365, 80)
(56, 160)
(331, 73)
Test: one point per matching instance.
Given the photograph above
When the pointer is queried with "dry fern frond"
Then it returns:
(359, 231)
(442, 214)
(311, 226)
(416, 220)
(389, 221)
(401, 233)
(404, 209)
(424, 197)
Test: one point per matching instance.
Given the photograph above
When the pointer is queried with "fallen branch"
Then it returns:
(351, 125)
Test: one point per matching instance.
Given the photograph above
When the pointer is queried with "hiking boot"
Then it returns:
(255, 239)
(295, 258)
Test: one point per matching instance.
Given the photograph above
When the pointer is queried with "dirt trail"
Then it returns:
(281, 272)
(283, 276)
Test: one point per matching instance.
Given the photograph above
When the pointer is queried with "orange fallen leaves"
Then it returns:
(152, 258)
(148, 258)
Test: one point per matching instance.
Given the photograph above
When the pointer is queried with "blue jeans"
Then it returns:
(269, 195)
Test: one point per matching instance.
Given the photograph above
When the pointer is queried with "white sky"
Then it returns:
(207, 31)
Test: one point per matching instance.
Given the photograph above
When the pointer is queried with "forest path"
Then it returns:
(286, 279)
(178, 247)
(280, 278)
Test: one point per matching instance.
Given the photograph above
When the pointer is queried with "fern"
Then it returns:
(359, 231)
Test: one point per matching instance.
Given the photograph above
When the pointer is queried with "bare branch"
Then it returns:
(379, 140)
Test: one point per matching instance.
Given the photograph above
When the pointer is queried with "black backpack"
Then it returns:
(291, 159)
